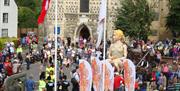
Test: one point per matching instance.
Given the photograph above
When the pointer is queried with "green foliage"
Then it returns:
(4, 40)
(173, 19)
(28, 12)
(38, 8)
(134, 18)
(26, 3)
(26, 18)
(178, 40)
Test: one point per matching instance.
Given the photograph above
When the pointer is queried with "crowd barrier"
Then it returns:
(15, 82)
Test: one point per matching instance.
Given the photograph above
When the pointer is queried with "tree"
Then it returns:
(26, 18)
(32, 9)
(173, 19)
(26, 3)
(38, 8)
(134, 18)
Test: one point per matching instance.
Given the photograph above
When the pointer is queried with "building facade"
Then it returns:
(8, 18)
(79, 17)
(161, 8)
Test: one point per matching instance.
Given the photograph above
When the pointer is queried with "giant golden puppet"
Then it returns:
(118, 49)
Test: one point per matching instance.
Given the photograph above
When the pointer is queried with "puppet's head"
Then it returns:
(118, 35)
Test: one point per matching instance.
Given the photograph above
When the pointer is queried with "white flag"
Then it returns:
(101, 21)
(96, 65)
(85, 74)
(109, 76)
(129, 75)
(47, 4)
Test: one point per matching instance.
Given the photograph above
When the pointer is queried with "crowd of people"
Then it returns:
(159, 75)
(151, 65)
(68, 55)
(28, 39)
(12, 58)
(160, 68)
(151, 74)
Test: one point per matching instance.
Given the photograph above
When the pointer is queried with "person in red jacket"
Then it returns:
(118, 81)
(136, 85)
(8, 67)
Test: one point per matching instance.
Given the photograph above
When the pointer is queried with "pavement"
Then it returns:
(67, 72)
(35, 70)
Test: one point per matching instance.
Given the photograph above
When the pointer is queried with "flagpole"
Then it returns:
(55, 82)
(104, 49)
(104, 57)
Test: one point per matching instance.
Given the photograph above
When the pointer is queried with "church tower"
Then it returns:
(79, 17)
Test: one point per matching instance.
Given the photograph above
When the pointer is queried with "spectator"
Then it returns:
(1, 66)
(42, 83)
(160, 81)
(19, 49)
(8, 67)
(65, 83)
(28, 61)
(16, 66)
(19, 56)
(164, 85)
(30, 84)
(158, 57)
(49, 68)
(118, 82)
(49, 84)
(75, 80)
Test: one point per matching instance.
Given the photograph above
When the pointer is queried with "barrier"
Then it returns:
(15, 82)
(177, 86)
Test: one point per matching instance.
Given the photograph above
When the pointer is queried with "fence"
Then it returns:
(15, 82)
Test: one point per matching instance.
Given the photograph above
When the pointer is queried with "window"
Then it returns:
(4, 33)
(84, 5)
(5, 17)
(6, 2)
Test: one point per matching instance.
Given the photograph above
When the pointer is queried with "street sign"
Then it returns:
(58, 30)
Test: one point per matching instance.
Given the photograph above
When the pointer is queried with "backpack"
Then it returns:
(74, 81)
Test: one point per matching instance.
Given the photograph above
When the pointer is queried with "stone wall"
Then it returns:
(70, 18)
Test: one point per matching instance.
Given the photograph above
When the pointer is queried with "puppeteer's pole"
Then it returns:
(55, 83)
(104, 47)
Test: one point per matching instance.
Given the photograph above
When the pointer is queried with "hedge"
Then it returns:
(4, 40)
(178, 40)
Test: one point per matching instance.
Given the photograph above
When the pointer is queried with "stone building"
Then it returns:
(161, 8)
(79, 17)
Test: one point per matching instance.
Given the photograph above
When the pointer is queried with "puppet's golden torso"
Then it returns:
(117, 50)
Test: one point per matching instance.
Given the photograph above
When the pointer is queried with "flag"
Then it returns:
(101, 21)
(129, 75)
(45, 6)
(96, 65)
(85, 74)
(109, 76)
